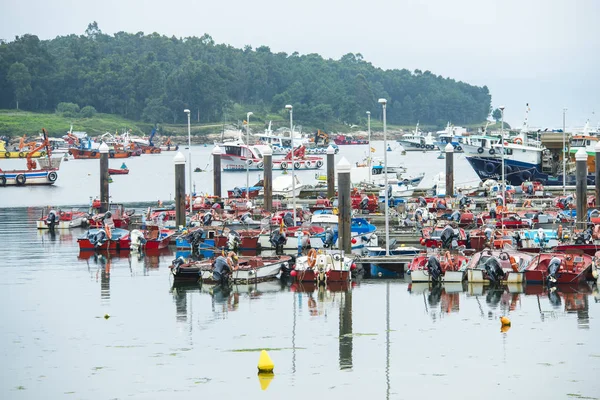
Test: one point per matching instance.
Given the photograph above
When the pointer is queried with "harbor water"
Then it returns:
(104, 326)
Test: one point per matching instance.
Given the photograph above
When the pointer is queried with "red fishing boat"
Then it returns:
(559, 268)
(437, 267)
(348, 140)
(322, 267)
(498, 266)
(118, 171)
(499, 238)
(117, 212)
(105, 239)
(95, 154)
(152, 238)
(432, 236)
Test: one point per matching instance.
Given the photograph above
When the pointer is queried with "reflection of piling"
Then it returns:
(330, 172)
(179, 160)
(345, 351)
(597, 150)
(449, 170)
(104, 196)
(344, 205)
(268, 179)
(581, 188)
(105, 280)
(217, 171)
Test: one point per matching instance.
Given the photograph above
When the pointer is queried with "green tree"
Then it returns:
(20, 80)
(497, 114)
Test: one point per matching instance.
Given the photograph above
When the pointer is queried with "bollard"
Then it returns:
(449, 170)
(268, 179)
(581, 178)
(179, 161)
(344, 205)
(217, 171)
(330, 172)
(597, 150)
(104, 196)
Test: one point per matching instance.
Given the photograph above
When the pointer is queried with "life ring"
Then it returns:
(283, 165)
(559, 232)
(260, 165)
(92, 154)
(52, 176)
(308, 164)
(525, 175)
(311, 259)
(21, 179)
(448, 260)
(7, 155)
(111, 154)
(518, 141)
(480, 150)
(296, 164)
(492, 152)
(489, 167)
(2, 181)
(458, 148)
(21, 154)
(319, 164)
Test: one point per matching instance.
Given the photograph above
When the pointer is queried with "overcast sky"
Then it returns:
(542, 52)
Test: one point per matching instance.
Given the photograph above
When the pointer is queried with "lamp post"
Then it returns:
(564, 154)
(187, 111)
(290, 108)
(503, 177)
(249, 154)
(369, 151)
(383, 103)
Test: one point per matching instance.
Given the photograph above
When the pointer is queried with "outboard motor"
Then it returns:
(554, 297)
(328, 242)
(137, 240)
(435, 269)
(494, 270)
(422, 202)
(237, 192)
(176, 263)
(98, 238)
(553, 268)
(246, 218)
(455, 216)
(464, 202)
(389, 189)
(207, 219)
(233, 241)
(441, 205)
(52, 219)
(447, 236)
(288, 219)
(364, 203)
(277, 240)
(194, 239)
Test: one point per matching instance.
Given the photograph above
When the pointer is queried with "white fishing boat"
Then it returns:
(417, 141)
(282, 186)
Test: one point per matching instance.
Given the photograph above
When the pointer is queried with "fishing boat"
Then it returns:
(21, 152)
(558, 268)
(322, 267)
(280, 143)
(62, 220)
(443, 235)
(438, 267)
(498, 266)
(385, 270)
(152, 238)
(282, 186)
(249, 269)
(116, 212)
(240, 192)
(94, 154)
(46, 174)
(103, 239)
(348, 140)
(417, 141)
(454, 135)
(118, 171)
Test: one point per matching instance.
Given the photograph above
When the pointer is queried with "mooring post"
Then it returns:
(179, 161)
(449, 149)
(104, 196)
(581, 192)
(330, 172)
(344, 205)
(268, 179)
(597, 150)
(217, 171)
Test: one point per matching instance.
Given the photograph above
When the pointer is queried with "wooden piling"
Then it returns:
(344, 205)
(217, 171)
(268, 179)
(179, 161)
(581, 188)
(104, 193)
(449, 170)
(330, 172)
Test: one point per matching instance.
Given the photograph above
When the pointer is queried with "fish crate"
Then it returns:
(50, 163)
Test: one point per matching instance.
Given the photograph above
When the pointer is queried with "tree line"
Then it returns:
(152, 78)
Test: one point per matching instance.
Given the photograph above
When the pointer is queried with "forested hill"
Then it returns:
(153, 78)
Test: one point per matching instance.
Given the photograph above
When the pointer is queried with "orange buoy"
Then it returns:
(505, 321)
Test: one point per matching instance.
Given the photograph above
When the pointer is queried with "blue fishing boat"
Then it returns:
(389, 270)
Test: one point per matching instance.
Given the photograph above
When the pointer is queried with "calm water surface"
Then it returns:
(379, 339)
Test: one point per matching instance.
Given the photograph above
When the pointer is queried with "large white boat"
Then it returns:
(282, 186)
(456, 135)
(417, 141)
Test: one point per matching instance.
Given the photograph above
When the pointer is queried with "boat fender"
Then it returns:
(308, 164)
(480, 150)
(489, 167)
(283, 165)
(525, 175)
(21, 155)
(492, 152)
(43, 153)
(249, 162)
(21, 179)
(52, 176)
(260, 165)
(7, 155)
(93, 153)
(111, 154)
(319, 164)
(507, 169)
(2, 180)
(297, 165)
(458, 148)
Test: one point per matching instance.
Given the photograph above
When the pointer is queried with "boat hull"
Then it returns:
(28, 178)
(21, 154)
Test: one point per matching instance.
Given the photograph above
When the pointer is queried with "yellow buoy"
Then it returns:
(505, 321)
(106, 316)
(265, 379)
(265, 364)
(504, 328)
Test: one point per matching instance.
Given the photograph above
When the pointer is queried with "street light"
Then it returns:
(249, 155)
(290, 108)
(383, 103)
(189, 156)
(564, 154)
(369, 151)
(503, 177)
